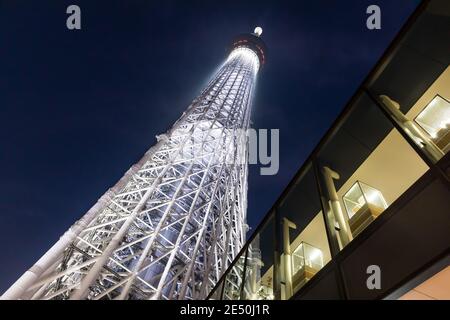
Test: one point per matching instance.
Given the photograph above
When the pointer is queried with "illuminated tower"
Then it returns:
(173, 223)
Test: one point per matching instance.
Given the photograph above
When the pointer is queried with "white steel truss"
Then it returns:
(174, 222)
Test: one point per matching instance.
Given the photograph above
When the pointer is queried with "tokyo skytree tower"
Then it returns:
(173, 223)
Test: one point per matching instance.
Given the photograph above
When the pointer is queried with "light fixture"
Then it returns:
(258, 31)
(434, 119)
(360, 196)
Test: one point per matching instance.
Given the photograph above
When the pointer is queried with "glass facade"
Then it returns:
(302, 237)
(364, 168)
(260, 265)
(393, 131)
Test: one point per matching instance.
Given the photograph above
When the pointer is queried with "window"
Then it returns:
(426, 121)
(365, 166)
(304, 243)
(260, 265)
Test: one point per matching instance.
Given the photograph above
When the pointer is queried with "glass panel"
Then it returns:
(259, 270)
(364, 168)
(305, 249)
(434, 119)
(425, 121)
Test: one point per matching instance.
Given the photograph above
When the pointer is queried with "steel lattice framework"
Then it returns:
(174, 222)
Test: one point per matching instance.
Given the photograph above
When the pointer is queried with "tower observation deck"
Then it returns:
(172, 224)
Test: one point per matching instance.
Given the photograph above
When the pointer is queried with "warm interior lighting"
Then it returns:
(434, 119)
(307, 255)
(360, 195)
(315, 255)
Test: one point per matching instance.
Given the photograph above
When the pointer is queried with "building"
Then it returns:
(367, 216)
(171, 226)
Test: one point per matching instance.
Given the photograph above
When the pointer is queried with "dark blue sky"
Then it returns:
(77, 108)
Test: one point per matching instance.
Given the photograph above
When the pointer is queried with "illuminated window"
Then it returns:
(304, 247)
(371, 166)
(435, 120)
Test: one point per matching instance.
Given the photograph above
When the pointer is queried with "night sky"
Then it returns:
(78, 108)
